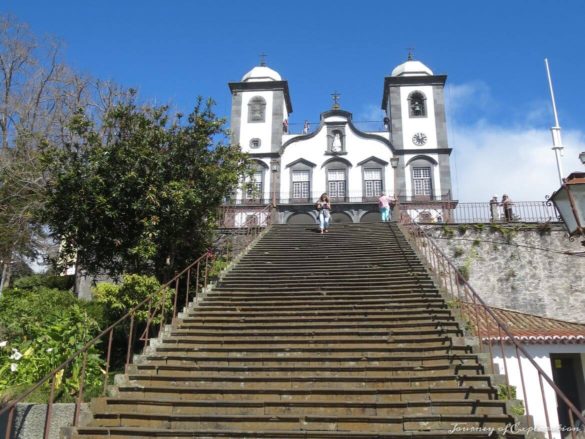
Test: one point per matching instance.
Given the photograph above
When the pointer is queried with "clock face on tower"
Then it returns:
(419, 139)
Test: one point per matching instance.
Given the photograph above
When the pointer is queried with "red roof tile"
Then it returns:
(528, 328)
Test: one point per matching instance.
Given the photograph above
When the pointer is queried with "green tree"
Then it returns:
(39, 94)
(142, 198)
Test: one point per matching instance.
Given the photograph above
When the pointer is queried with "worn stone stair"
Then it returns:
(341, 335)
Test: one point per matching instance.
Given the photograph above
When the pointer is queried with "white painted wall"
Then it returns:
(313, 150)
(541, 354)
(261, 130)
(412, 125)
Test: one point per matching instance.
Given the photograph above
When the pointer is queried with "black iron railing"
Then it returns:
(160, 309)
(491, 331)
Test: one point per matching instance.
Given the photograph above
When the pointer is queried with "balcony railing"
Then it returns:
(368, 126)
(456, 212)
(351, 197)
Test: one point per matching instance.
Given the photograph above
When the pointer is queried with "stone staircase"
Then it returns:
(341, 335)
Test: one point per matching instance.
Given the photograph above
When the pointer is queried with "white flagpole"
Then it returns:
(556, 130)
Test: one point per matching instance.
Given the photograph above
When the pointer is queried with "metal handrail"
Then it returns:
(197, 272)
(471, 308)
(483, 212)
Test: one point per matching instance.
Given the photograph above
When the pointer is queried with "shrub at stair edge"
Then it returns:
(118, 299)
(25, 362)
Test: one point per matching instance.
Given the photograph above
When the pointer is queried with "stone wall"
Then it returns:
(523, 267)
(29, 420)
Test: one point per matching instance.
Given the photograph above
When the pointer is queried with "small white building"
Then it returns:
(406, 155)
(558, 347)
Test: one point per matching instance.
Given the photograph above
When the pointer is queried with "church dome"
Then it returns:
(412, 68)
(261, 73)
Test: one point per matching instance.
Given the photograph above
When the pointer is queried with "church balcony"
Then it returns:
(367, 126)
(410, 208)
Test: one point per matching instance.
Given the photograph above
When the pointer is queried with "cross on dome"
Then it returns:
(410, 56)
(263, 59)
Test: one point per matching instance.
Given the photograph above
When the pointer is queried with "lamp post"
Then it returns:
(570, 202)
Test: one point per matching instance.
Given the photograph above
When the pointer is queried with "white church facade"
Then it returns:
(406, 156)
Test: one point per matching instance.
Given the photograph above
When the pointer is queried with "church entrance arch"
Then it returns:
(370, 217)
(341, 218)
(301, 218)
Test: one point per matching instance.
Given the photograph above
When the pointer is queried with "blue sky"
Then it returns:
(499, 107)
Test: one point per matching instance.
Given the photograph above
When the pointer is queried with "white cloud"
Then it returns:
(519, 161)
(513, 157)
(462, 97)
(371, 113)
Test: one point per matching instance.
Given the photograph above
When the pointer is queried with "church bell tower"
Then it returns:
(414, 103)
(260, 109)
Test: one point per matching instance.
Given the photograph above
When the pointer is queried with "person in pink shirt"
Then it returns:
(385, 203)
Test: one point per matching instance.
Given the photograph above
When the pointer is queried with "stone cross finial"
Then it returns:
(263, 59)
(335, 96)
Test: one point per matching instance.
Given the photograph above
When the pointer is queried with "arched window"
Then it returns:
(417, 104)
(300, 180)
(422, 181)
(373, 170)
(337, 171)
(254, 184)
(257, 109)
(421, 172)
(255, 143)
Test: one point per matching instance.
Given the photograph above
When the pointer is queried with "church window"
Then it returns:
(417, 104)
(421, 178)
(257, 109)
(301, 185)
(373, 182)
(254, 186)
(336, 183)
(255, 143)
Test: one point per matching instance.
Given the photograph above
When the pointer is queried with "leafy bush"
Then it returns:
(25, 312)
(43, 280)
(52, 332)
(118, 299)
(217, 266)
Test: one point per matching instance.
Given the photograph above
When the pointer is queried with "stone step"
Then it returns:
(139, 433)
(320, 343)
(304, 306)
(283, 351)
(323, 407)
(326, 326)
(328, 332)
(341, 335)
(412, 289)
(260, 273)
(319, 317)
(418, 336)
(325, 296)
(319, 358)
(268, 379)
(339, 311)
(301, 392)
(290, 422)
